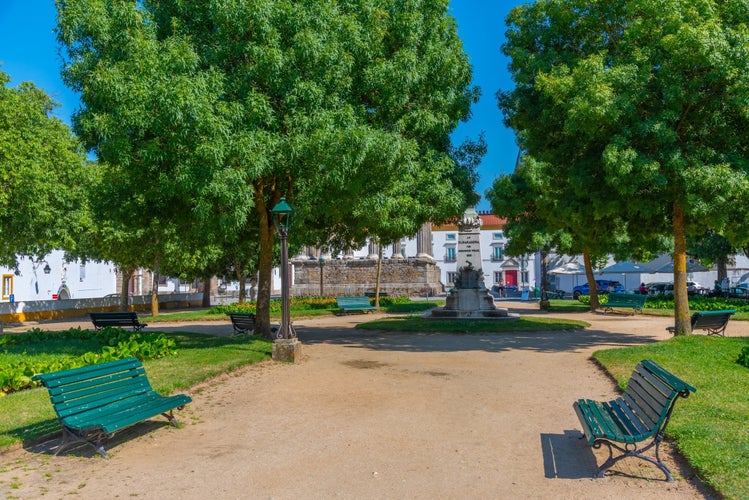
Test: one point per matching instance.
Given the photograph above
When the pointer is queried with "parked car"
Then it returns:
(602, 286)
(660, 288)
(738, 293)
(695, 288)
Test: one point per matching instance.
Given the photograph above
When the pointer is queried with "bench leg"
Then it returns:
(170, 416)
(71, 437)
(632, 451)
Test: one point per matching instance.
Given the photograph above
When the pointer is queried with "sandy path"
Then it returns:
(375, 416)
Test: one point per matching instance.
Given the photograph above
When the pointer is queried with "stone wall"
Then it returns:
(412, 276)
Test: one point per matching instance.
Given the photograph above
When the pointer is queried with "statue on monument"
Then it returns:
(468, 277)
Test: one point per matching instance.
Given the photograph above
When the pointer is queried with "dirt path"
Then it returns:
(369, 415)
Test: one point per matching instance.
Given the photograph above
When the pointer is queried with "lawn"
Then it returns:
(524, 324)
(710, 427)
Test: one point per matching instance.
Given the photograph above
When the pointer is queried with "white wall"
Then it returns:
(80, 280)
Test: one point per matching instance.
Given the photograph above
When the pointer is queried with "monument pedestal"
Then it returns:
(469, 303)
(287, 350)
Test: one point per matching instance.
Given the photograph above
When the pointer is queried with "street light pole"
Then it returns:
(282, 215)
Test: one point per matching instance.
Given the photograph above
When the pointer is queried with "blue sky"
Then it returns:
(28, 52)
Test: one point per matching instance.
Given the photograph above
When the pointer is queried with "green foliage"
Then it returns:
(709, 427)
(114, 343)
(43, 175)
(743, 358)
(697, 303)
(205, 114)
(301, 304)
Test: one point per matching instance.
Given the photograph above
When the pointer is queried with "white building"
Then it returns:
(498, 268)
(54, 278)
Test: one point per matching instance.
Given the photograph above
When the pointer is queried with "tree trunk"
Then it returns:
(155, 287)
(378, 277)
(722, 264)
(127, 275)
(242, 287)
(681, 299)
(544, 303)
(591, 280)
(207, 292)
(265, 265)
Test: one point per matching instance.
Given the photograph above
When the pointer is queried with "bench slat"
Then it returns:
(104, 398)
(242, 322)
(354, 303)
(638, 429)
(116, 319)
(641, 413)
(126, 412)
(97, 398)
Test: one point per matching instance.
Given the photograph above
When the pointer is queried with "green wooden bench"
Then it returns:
(715, 322)
(243, 322)
(640, 414)
(625, 300)
(356, 303)
(127, 319)
(95, 401)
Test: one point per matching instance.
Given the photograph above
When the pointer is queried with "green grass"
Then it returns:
(561, 305)
(418, 324)
(27, 415)
(710, 427)
(296, 313)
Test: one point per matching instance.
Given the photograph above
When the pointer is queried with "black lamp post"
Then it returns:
(282, 215)
(321, 260)
(47, 269)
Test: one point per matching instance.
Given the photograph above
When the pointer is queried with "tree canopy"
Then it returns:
(207, 114)
(43, 175)
(646, 101)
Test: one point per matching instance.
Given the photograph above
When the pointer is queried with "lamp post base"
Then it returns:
(287, 350)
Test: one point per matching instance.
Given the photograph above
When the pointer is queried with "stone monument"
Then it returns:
(469, 298)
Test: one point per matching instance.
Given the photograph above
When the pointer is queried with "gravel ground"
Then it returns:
(373, 415)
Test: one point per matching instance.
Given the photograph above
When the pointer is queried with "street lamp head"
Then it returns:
(282, 215)
(47, 269)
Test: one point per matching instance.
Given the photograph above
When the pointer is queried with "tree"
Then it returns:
(660, 89)
(43, 175)
(297, 92)
(148, 115)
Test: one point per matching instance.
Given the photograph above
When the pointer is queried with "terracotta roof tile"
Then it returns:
(489, 221)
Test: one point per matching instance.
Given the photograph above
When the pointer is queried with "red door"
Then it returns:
(511, 278)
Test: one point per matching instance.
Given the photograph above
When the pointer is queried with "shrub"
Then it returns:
(115, 343)
(744, 357)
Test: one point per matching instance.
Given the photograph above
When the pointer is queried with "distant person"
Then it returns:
(502, 288)
(643, 289)
(725, 285)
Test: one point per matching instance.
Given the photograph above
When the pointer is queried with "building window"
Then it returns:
(524, 277)
(498, 236)
(450, 254)
(451, 278)
(497, 276)
(497, 253)
(451, 237)
(7, 286)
